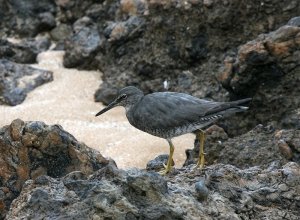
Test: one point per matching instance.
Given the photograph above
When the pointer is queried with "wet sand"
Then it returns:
(68, 101)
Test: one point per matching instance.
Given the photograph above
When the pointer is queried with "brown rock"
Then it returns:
(281, 44)
(54, 138)
(29, 139)
(284, 149)
(226, 72)
(16, 129)
(117, 32)
(38, 172)
(128, 6)
(31, 149)
(267, 69)
(23, 167)
(216, 132)
(2, 206)
(278, 134)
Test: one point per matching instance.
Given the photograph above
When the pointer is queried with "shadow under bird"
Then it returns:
(170, 114)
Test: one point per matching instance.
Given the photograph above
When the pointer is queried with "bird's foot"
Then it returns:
(166, 169)
(198, 168)
(200, 164)
(163, 172)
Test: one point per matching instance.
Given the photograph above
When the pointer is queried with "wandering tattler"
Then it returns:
(171, 114)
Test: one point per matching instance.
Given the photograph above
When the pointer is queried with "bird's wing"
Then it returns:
(226, 105)
(170, 110)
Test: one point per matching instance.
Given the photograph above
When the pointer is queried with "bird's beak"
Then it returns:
(110, 106)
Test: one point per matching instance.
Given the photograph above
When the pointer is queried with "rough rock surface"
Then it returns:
(31, 149)
(16, 80)
(26, 18)
(261, 146)
(50, 175)
(24, 52)
(84, 43)
(268, 69)
(145, 43)
(110, 193)
(157, 163)
(193, 46)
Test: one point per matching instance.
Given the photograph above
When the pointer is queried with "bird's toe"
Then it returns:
(163, 172)
(199, 166)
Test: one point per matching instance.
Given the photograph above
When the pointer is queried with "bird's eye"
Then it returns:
(123, 96)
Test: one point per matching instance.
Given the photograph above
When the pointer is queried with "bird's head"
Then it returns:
(126, 97)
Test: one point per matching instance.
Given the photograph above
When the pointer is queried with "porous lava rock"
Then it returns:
(262, 146)
(16, 80)
(26, 18)
(33, 149)
(268, 69)
(110, 193)
(25, 51)
(168, 45)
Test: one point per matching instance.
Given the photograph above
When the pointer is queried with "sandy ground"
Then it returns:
(68, 101)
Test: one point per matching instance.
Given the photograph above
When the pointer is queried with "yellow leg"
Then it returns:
(201, 138)
(168, 167)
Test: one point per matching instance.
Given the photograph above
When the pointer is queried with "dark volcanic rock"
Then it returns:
(72, 10)
(259, 147)
(180, 46)
(32, 149)
(106, 93)
(179, 43)
(27, 18)
(24, 52)
(61, 32)
(16, 80)
(268, 69)
(157, 163)
(83, 44)
(110, 193)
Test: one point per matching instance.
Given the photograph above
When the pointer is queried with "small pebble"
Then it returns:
(201, 190)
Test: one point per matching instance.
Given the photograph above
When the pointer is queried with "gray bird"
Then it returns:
(170, 114)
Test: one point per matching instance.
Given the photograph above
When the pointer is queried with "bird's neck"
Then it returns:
(129, 113)
(130, 108)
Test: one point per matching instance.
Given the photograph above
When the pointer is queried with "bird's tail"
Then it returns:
(229, 107)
